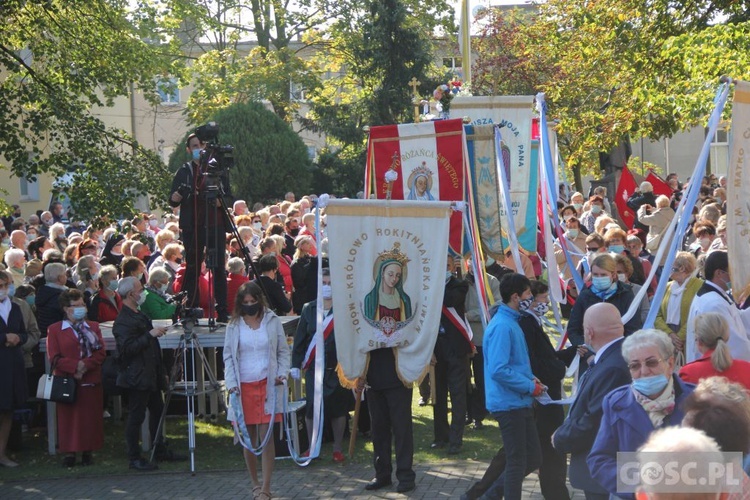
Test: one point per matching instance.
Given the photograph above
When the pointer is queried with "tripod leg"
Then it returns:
(170, 390)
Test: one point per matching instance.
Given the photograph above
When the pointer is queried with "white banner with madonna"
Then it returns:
(388, 264)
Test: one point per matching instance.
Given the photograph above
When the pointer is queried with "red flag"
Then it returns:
(625, 189)
(660, 186)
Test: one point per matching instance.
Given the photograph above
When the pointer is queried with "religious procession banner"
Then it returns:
(388, 264)
(520, 163)
(738, 192)
(428, 160)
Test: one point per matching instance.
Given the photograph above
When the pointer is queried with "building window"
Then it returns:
(29, 189)
(452, 63)
(168, 91)
(312, 153)
(719, 155)
(296, 91)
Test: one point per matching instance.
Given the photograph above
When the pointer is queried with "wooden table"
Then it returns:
(207, 340)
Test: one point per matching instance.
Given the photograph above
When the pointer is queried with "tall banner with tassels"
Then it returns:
(388, 264)
(427, 161)
(738, 193)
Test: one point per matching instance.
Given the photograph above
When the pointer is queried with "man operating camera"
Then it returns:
(196, 190)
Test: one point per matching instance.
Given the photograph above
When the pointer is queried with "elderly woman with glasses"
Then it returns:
(675, 306)
(632, 412)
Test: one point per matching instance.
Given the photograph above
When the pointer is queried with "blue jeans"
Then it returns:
(522, 451)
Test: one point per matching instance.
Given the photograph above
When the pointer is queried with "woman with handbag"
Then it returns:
(75, 347)
(12, 368)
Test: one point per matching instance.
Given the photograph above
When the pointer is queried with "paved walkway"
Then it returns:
(445, 480)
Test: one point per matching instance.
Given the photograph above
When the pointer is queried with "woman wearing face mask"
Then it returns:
(624, 272)
(12, 371)
(112, 253)
(256, 363)
(156, 306)
(75, 348)
(300, 275)
(337, 401)
(675, 306)
(653, 401)
(605, 287)
(588, 219)
(106, 304)
(268, 267)
(575, 239)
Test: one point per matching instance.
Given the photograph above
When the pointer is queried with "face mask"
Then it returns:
(79, 313)
(622, 277)
(541, 309)
(448, 276)
(11, 290)
(705, 242)
(729, 285)
(601, 283)
(649, 386)
(577, 206)
(112, 285)
(163, 288)
(524, 304)
(257, 226)
(616, 248)
(294, 232)
(31, 299)
(178, 261)
(6, 241)
(49, 222)
(595, 209)
(141, 299)
(250, 309)
(139, 276)
(326, 291)
(196, 154)
(572, 233)
(3, 295)
(153, 222)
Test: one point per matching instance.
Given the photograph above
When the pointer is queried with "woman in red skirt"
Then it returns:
(256, 363)
(76, 348)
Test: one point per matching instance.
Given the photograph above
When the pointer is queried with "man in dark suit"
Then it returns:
(603, 333)
(451, 354)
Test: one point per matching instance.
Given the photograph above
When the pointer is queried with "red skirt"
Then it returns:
(253, 403)
(80, 426)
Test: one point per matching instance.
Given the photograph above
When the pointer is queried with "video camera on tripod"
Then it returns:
(216, 159)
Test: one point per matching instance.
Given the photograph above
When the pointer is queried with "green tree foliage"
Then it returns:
(270, 158)
(61, 61)
(616, 69)
(369, 55)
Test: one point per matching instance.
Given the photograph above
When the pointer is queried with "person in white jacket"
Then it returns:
(714, 296)
(256, 363)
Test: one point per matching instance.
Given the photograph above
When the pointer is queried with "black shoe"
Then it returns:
(454, 449)
(437, 445)
(423, 401)
(405, 487)
(377, 484)
(87, 459)
(142, 465)
(69, 461)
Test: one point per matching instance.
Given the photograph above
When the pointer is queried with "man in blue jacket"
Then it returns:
(510, 388)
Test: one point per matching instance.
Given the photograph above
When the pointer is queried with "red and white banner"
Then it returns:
(429, 160)
(625, 189)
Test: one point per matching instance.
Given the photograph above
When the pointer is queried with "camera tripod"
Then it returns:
(186, 350)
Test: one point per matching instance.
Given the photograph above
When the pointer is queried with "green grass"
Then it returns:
(215, 451)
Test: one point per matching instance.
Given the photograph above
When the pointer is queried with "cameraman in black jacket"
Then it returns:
(189, 188)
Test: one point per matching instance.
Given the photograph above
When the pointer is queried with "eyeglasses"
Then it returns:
(592, 249)
(650, 363)
(675, 269)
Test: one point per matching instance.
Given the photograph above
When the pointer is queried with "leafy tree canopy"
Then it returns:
(61, 61)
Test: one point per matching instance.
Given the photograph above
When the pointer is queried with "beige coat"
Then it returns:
(279, 360)
(562, 262)
(657, 222)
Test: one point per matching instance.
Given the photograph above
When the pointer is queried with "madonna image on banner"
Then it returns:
(388, 261)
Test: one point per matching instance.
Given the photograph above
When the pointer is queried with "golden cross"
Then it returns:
(414, 83)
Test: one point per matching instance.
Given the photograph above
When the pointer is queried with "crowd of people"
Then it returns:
(61, 281)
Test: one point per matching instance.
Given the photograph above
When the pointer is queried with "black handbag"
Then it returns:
(56, 388)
